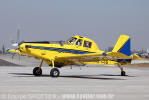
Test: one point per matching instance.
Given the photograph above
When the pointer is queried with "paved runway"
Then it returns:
(89, 83)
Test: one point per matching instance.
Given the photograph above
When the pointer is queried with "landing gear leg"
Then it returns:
(123, 73)
(37, 71)
(54, 72)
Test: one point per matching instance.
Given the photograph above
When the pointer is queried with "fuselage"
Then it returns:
(76, 45)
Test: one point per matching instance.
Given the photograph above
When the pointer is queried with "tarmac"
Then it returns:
(79, 83)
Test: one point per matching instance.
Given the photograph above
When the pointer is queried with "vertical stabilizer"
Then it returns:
(123, 45)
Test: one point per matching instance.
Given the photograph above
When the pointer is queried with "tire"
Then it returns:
(123, 73)
(54, 72)
(37, 71)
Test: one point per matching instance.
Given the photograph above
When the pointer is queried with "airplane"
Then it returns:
(77, 50)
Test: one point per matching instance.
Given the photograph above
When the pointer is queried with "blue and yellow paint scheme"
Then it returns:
(78, 50)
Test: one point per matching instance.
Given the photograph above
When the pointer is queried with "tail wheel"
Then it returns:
(37, 71)
(54, 72)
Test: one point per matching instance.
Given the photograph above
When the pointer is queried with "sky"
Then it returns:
(101, 20)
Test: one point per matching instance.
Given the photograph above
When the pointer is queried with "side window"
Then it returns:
(72, 40)
(79, 42)
(87, 44)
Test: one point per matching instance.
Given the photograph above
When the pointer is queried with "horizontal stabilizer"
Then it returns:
(136, 57)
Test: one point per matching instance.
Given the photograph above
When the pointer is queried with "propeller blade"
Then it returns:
(15, 44)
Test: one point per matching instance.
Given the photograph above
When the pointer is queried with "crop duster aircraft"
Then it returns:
(78, 50)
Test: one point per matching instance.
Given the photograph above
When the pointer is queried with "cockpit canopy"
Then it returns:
(81, 41)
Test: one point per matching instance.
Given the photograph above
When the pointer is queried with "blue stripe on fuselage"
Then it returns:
(61, 50)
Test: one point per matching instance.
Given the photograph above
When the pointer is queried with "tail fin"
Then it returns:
(123, 45)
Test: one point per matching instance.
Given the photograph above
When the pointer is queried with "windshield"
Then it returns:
(72, 40)
(79, 42)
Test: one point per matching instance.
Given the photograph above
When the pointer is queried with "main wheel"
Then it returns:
(123, 73)
(54, 72)
(37, 71)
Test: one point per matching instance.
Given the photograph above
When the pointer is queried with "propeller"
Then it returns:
(15, 44)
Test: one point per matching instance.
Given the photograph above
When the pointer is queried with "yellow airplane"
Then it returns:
(78, 50)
